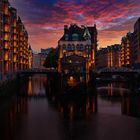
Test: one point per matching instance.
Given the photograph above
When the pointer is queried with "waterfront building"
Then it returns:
(14, 46)
(30, 58)
(13, 40)
(136, 43)
(23, 47)
(109, 57)
(77, 48)
(126, 49)
(1, 42)
(6, 37)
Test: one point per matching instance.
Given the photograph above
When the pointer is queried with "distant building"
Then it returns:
(77, 48)
(126, 50)
(102, 58)
(39, 58)
(36, 61)
(42, 57)
(30, 60)
(109, 57)
(46, 51)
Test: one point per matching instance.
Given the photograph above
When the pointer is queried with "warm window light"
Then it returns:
(15, 37)
(15, 43)
(6, 45)
(15, 59)
(6, 36)
(6, 28)
(6, 56)
(15, 50)
(71, 78)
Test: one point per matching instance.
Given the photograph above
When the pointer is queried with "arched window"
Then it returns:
(69, 47)
(64, 46)
(73, 47)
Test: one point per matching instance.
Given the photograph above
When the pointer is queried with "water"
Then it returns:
(40, 110)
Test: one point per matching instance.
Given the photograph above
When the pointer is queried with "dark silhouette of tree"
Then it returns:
(52, 59)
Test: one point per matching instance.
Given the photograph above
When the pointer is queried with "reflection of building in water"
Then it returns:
(72, 81)
(77, 106)
(131, 106)
(110, 89)
(36, 85)
(30, 87)
(11, 119)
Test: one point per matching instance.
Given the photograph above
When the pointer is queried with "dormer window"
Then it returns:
(75, 37)
(66, 37)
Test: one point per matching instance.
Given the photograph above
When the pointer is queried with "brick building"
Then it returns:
(77, 48)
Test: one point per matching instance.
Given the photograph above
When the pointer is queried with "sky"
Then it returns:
(45, 19)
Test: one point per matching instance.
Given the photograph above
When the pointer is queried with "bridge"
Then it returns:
(105, 74)
(37, 71)
(117, 74)
(118, 71)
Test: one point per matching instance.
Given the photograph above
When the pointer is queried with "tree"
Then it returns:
(52, 59)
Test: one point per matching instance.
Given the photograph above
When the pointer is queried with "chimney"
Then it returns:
(65, 29)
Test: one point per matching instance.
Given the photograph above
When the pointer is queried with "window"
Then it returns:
(75, 37)
(66, 37)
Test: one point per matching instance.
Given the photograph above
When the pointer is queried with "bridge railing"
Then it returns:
(36, 70)
(122, 69)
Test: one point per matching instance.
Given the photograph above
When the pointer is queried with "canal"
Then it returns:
(41, 110)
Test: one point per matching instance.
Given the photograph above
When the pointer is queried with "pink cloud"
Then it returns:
(45, 22)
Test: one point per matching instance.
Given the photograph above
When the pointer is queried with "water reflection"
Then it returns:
(11, 118)
(78, 107)
(72, 81)
(42, 100)
(131, 106)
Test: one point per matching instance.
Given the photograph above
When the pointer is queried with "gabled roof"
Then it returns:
(81, 32)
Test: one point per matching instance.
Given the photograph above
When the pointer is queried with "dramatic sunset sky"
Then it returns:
(44, 19)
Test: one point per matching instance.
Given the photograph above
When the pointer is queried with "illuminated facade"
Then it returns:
(1, 36)
(14, 48)
(126, 50)
(30, 58)
(23, 47)
(136, 43)
(77, 48)
(109, 57)
(13, 40)
(6, 36)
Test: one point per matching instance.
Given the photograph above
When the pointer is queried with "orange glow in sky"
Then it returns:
(44, 19)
